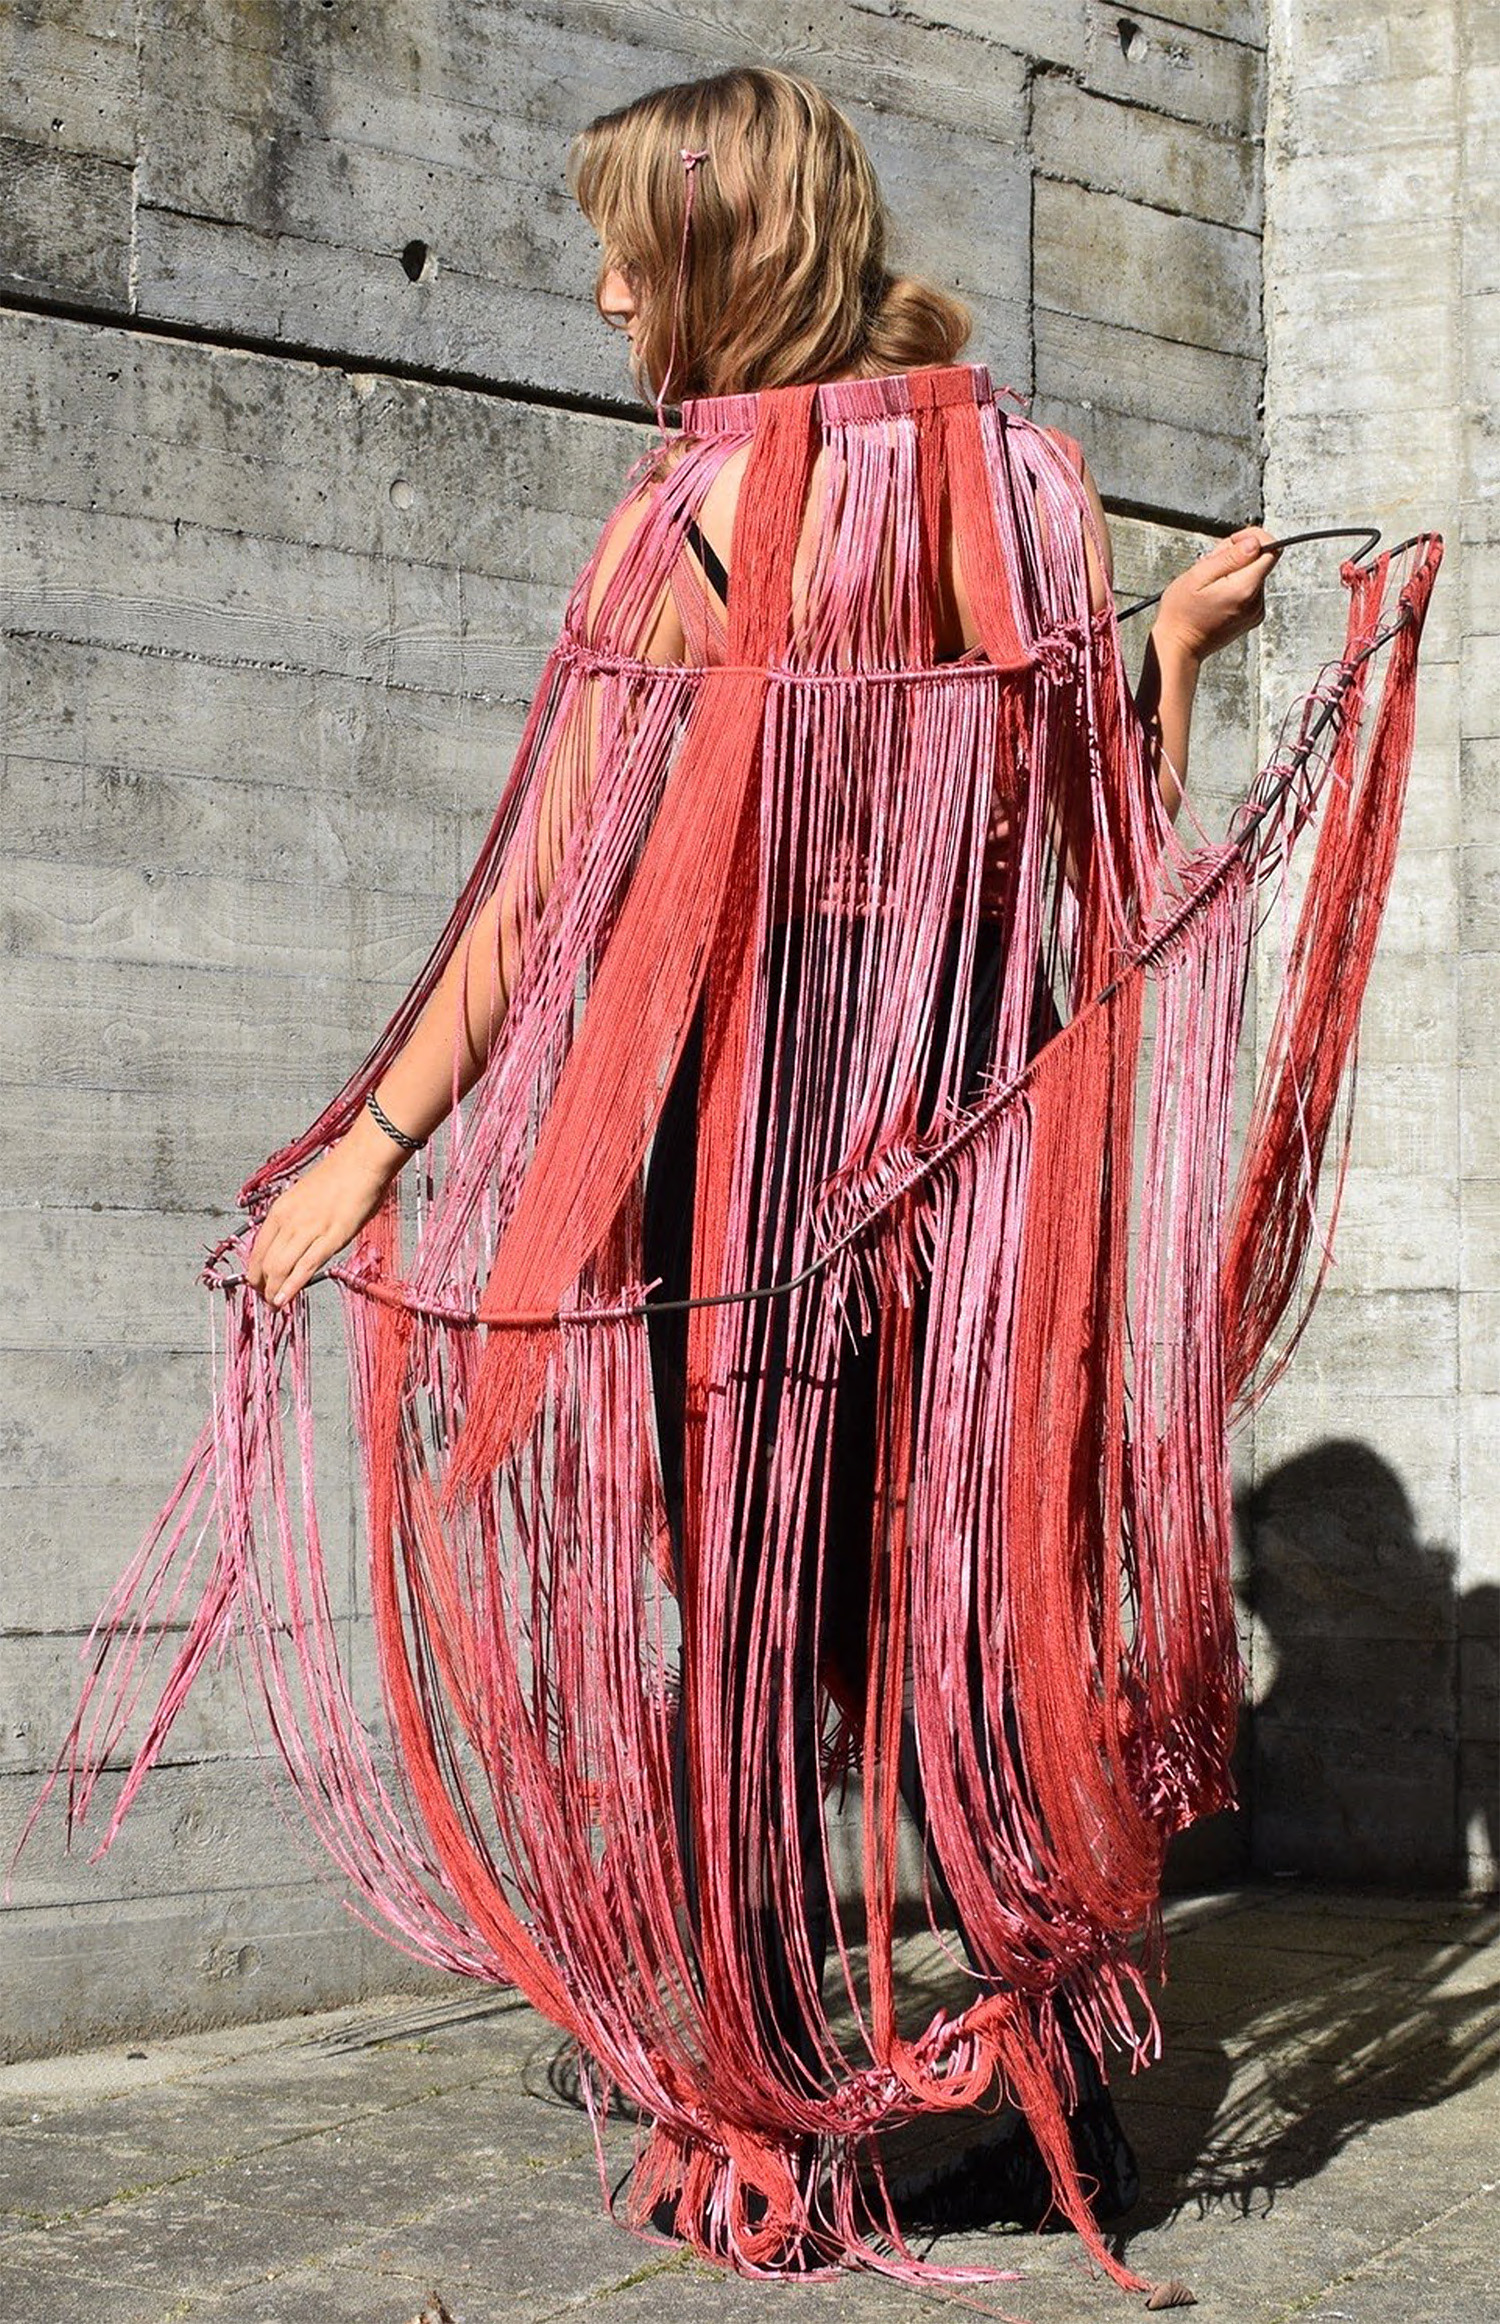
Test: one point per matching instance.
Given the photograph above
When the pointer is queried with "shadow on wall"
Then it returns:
(1372, 1761)
(1374, 1755)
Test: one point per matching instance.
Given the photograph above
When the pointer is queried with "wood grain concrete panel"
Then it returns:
(97, 1280)
(1338, 46)
(162, 826)
(183, 1037)
(1359, 273)
(1175, 388)
(1172, 68)
(110, 736)
(310, 454)
(1410, 1017)
(1479, 1342)
(1237, 20)
(1208, 170)
(1101, 257)
(1394, 1233)
(124, 1148)
(1394, 471)
(1197, 58)
(1482, 712)
(1478, 1006)
(1479, 1234)
(104, 1416)
(65, 226)
(247, 1930)
(1406, 1125)
(236, 923)
(84, 1505)
(1164, 425)
(328, 158)
(1398, 1345)
(68, 79)
(1195, 478)
(129, 582)
(41, 1676)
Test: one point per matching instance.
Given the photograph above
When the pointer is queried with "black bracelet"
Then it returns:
(377, 1112)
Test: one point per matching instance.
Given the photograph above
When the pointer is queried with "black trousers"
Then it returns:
(846, 1569)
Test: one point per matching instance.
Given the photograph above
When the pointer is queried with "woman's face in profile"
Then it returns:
(617, 302)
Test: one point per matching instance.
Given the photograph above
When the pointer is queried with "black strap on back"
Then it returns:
(709, 558)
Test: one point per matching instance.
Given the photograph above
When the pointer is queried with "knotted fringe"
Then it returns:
(599, 1766)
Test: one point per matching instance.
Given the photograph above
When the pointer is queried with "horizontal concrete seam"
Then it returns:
(925, 23)
(466, 383)
(1044, 69)
(166, 653)
(139, 325)
(341, 556)
(1087, 185)
(1055, 69)
(109, 1904)
(1147, 339)
(1198, 31)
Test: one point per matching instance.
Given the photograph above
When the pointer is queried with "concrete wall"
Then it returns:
(284, 535)
(1377, 1512)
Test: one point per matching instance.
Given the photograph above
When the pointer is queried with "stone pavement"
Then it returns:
(1319, 2143)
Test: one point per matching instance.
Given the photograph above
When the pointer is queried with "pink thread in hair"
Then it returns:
(691, 156)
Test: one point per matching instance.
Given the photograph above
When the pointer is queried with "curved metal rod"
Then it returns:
(1368, 537)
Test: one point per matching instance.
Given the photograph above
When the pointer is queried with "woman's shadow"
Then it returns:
(1295, 2020)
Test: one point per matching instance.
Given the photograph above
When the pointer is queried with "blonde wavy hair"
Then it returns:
(785, 276)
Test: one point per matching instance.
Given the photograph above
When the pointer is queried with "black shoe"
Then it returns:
(1007, 2183)
(1004, 2183)
(1104, 2155)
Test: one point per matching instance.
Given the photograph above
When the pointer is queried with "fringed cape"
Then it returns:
(1050, 1604)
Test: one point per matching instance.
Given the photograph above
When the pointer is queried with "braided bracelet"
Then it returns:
(378, 1114)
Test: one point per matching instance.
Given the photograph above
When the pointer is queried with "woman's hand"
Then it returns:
(1217, 599)
(311, 1220)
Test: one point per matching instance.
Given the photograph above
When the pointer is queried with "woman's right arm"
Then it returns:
(1214, 601)
(314, 1218)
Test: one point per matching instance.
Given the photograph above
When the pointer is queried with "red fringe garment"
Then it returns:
(1049, 1623)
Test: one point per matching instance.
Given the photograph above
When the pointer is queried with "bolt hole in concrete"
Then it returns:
(402, 495)
(418, 263)
(1129, 35)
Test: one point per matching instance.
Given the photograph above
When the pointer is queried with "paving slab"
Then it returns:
(1318, 2143)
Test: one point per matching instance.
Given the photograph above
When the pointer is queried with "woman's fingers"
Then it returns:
(280, 1242)
(309, 1223)
(1221, 596)
(302, 1270)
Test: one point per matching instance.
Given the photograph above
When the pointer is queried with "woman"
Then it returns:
(834, 805)
(767, 296)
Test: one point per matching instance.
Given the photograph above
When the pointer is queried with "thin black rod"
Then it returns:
(1368, 537)
(980, 1117)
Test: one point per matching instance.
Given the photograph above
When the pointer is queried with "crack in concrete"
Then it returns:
(1375, 2260)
